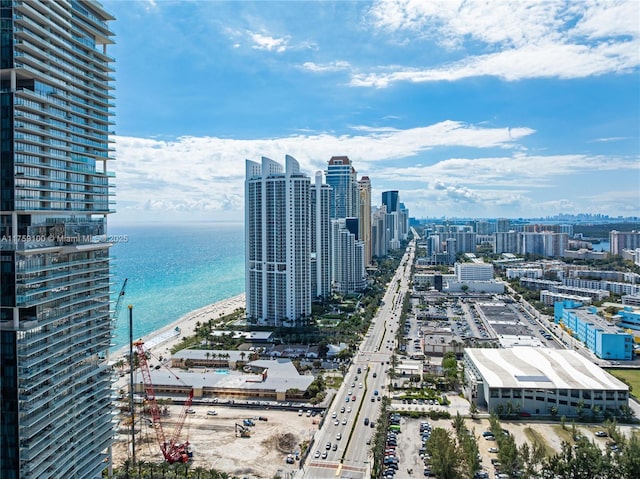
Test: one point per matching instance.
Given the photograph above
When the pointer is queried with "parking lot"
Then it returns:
(409, 442)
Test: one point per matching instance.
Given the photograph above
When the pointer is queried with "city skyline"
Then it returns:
(529, 110)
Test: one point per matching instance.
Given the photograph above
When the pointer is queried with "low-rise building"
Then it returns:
(540, 381)
(605, 340)
(272, 379)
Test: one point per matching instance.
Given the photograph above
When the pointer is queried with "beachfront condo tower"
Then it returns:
(55, 323)
(277, 243)
(320, 236)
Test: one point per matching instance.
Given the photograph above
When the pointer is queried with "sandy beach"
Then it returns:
(160, 342)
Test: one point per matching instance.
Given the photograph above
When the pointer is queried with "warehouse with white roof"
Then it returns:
(540, 381)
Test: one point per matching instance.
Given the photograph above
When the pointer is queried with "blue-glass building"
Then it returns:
(56, 100)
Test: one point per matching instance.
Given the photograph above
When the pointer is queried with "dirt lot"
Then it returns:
(215, 445)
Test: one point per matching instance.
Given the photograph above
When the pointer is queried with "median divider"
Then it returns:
(355, 423)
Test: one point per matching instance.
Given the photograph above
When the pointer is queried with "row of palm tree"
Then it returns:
(164, 470)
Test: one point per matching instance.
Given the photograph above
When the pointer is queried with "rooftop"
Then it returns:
(281, 376)
(544, 368)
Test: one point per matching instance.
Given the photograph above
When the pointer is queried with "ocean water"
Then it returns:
(174, 269)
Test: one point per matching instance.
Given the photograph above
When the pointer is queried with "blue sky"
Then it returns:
(505, 108)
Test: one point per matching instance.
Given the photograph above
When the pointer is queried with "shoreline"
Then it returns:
(162, 340)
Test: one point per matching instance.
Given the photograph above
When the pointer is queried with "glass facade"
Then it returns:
(56, 97)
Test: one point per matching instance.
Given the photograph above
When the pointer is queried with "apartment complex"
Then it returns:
(277, 242)
(365, 217)
(55, 324)
(320, 237)
(305, 239)
(605, 340)
(621, 240)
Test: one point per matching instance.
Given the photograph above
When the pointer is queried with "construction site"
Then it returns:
(220, 438)
(223, 435)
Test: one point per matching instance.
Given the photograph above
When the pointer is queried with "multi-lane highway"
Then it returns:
(341, 447)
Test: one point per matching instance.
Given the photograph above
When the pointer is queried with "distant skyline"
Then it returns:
(506, 109)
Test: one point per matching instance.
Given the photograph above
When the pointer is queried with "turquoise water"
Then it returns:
(174, 269)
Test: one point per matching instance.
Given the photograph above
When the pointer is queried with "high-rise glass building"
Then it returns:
(342, 177)
(277, 242)
(55, 325)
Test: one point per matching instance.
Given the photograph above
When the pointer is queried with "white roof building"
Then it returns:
(540, 381)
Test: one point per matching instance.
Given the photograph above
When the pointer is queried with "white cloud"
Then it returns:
(534, 61)
(611, 138)
(514, 39)
(327, 67)
(204, 177)
(269, 43)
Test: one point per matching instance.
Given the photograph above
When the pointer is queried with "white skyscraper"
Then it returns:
(347, 259)
(320, 237)
(277, 242)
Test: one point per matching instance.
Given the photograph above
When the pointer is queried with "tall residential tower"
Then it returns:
(342, 177)
(55, 324)
(277, 242)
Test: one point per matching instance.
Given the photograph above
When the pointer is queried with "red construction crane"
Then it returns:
(172, 450)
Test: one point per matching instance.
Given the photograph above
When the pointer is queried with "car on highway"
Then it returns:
(338, 436)
(335, 447)
(344, 421)
(349, 409)
(317, 454)
(328, 446)
(600, 434)
(493, 449)
(324, 454)
(191, 411)
(212, 413)
(336, 422)
(366, 421)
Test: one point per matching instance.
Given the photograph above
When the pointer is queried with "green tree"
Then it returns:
(629, 458)
(445, 460)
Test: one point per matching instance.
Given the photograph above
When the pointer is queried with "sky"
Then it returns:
(507, 108)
